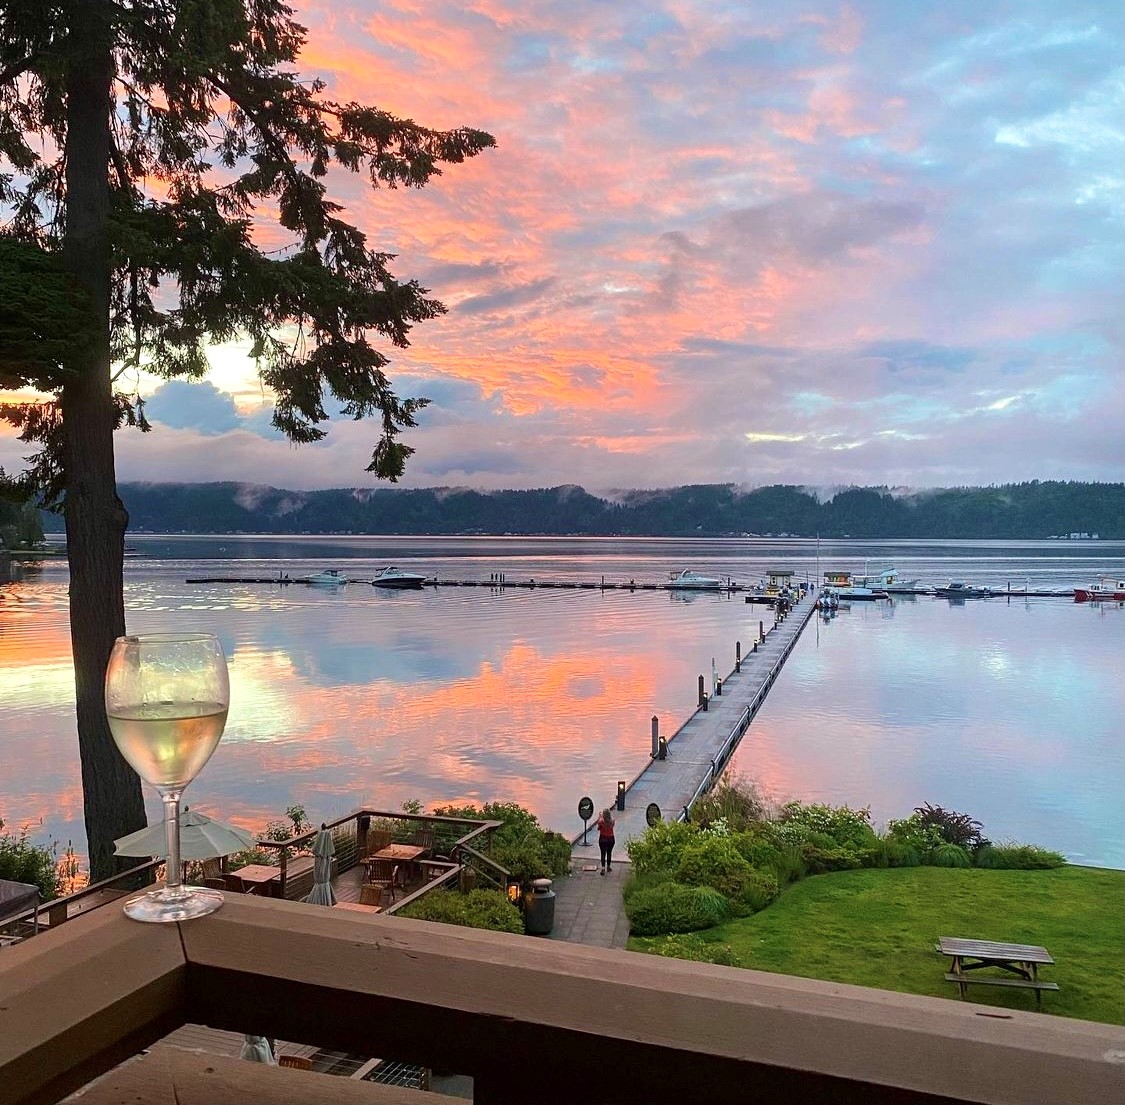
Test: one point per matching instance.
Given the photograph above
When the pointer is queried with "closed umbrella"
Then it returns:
(257, 1049)
(201, 837)
(324, 848)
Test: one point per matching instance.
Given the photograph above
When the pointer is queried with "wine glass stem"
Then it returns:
(171, 799)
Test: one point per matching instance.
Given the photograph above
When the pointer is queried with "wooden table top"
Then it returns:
(257, 872)
(358, 907)
(398, 851)
(991, 949)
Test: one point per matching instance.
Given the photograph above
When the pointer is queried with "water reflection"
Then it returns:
(1007, 710)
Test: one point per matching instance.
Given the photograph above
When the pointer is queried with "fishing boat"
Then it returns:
(1105, 589)
(330, 577)
(688, 580)
(397, 578)
(842, 586)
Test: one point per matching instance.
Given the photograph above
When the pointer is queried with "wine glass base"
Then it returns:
(163, 906)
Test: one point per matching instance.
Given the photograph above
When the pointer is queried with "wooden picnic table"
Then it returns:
(1021, 960)
(358, 907)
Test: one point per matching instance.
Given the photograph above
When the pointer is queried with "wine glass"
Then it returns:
(166, 698)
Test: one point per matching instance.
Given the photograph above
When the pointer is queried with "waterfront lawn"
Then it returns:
(877, 927)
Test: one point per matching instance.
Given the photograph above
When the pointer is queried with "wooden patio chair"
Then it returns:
(212, 869)
(377, 840)
(295, 1062)
(235, 885)
(216, 884)
(382, 877)
(424, 838)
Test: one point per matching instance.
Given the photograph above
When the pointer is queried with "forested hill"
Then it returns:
(1025, 510)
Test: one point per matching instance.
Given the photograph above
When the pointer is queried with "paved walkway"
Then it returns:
(588, 906)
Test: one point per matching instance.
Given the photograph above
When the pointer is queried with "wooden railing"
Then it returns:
(526, 1018)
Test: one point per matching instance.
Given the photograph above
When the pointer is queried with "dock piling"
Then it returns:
(655, 736)
(738, 656)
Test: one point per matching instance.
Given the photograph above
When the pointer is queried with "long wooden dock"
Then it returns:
(700, 749)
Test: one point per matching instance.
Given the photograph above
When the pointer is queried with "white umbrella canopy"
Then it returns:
(201, 837)
(324, 848)
(257, 1049)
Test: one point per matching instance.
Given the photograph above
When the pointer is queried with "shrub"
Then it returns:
(758, 891)
(521, 845)
(735, 800)
(912, 832)
(820, 853)
(955, 828)
(689, 946)
(670, 907)
(1018, 857)
(714, 861)
(22, 861)
(847, 827)
(479, 909)
(894, 853)
(661, 846)
(950, 855)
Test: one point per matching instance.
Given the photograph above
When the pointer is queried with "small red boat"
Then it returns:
(1107, 589)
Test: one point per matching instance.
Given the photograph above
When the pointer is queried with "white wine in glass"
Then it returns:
(166, 698)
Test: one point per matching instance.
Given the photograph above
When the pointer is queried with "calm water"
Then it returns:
(1008, 710)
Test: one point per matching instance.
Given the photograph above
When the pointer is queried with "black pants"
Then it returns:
(606, 843)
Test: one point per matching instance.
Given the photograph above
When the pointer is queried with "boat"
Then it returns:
(396, 577)
(958, 589)
(842, 586)
(688, 580)
(887, 579)
(1105, 589)
(330, 577)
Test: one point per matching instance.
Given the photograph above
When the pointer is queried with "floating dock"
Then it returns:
(700, 749)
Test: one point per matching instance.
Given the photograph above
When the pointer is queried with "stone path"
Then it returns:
(588, 906)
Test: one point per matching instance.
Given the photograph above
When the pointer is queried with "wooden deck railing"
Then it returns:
(527, 1018)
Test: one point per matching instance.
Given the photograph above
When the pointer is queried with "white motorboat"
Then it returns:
(842, 586)
(396, 577)
(888, 579)
(330, 577)
(688, 580)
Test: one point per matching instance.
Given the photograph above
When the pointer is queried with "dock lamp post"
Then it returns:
(620, 794)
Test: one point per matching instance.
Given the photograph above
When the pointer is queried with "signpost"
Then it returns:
(585, 811)
(652, 814)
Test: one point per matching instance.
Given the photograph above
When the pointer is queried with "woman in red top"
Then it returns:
(605, 840)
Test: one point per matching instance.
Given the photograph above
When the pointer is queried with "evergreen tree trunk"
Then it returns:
(95, 516)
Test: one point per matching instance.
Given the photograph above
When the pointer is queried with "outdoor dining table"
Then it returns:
(407, 854)
(259, 874)
(358, 907)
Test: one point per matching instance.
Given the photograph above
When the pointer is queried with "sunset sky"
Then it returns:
(876, 242)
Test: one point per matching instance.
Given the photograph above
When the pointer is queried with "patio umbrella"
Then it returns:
(201, 837)
(324, 848)
(257, 1049)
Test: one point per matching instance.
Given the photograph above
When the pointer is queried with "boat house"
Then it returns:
(780, 579)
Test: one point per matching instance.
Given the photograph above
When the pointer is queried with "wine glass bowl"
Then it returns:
(167, 697)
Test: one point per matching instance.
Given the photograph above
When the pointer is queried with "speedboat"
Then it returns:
(1106, 589)
(395, 577)
(842, 586)
(958, 589)
(330, 577)
(688, 580)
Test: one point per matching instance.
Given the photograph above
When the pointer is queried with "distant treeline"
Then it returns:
(1025, 510)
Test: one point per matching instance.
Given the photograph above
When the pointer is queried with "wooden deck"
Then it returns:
(702, 746)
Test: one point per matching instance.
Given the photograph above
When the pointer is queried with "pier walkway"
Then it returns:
(700, 749)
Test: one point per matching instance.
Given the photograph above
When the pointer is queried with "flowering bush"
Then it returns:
(661, 846)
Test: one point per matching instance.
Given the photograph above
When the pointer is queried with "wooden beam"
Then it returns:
(634, 1026)
(168, 1074)
(78, 999)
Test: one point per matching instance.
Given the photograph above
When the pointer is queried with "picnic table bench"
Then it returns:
(1020, 960)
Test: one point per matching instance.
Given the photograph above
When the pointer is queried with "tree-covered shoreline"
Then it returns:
(1028, 511)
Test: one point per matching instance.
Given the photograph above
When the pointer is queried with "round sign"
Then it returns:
(652, 814)
(586, 809)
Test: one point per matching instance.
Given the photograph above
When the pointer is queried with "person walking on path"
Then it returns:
(606, 839)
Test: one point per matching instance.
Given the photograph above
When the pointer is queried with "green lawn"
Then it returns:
(878, 927)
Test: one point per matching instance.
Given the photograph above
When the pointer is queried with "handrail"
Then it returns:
(486, 861)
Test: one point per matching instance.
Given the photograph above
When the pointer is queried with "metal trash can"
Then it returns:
(539, 909)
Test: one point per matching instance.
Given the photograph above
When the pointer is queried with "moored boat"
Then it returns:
(330, 577)
(687, 580)
(888, 579)
(842, 586)
(959, 589)
(397, 578)
(1105, 589)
